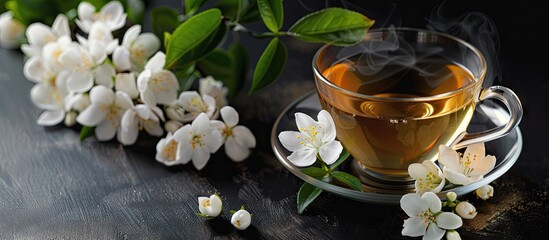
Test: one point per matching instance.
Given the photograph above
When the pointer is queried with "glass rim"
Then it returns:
(469, 46)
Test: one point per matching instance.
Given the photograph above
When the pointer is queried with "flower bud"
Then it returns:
(241, 219)
(70, 119)
(451, 196)
(214, 88)
(175, 112)
(11, 30)
(466, 210)
(452, 235)
(485, 192)
(172, 125)
(210, 207)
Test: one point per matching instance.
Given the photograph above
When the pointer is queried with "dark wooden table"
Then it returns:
(54, 186)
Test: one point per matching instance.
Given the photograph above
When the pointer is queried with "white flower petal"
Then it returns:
(200, 158)
(131, 35)
(328, 126)
(201, 205)
(475, 152)
(455, 177)
(123, 100)
(449, 221)
(440, 186)
(39, 34)
(229, 116)
(35, 70)
(45, 97)
(432, 201)
(303, 121)
(235, 151)
(111, 13)
(291, 140)
(303, 157)
(61, 26)
(154, 129)
(241, 219)
(80, 82)
(148, 43)
(215, 205)
(184, 152)
(91, 116)
(330, 152)
(448, 157)
(183, 134)
(102, 95)
(51, 118)
(126, 82)
(201, 124)
(85, 11)
(98, 52)
(121, 59)
(412, 204)
(164, 86)
(213, 141)
(156, 63)
(466, 210)
(210, 103)
(484, 166)
(129, 128)
(172, 125)
(143, 80)
(417, 170)
(244, 136)
(104, 75)
(105, 131)
(434, 232)
(414, 227)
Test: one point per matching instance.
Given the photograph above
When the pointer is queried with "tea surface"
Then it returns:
(388, 135)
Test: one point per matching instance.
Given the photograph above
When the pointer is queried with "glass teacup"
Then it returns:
(400, 93)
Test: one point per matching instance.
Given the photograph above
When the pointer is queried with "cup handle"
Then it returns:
(511, 101)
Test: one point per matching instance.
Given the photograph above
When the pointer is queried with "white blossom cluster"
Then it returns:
(122, 88)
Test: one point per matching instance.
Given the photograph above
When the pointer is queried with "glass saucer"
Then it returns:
(489, 114)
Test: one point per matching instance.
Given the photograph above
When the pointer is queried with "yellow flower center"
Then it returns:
(430, 181)
(427, 216)
(196, 141)
(206, 203)
(170, 151)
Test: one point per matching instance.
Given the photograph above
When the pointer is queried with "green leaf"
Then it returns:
(270, 65)
(167, 39)
(185, 76)
(164, 19)
(239, 10)
(315, 172)
(332, 25)
(220, 65)
(86, 132)
(193, 33)
(250, 13)
(348, 180)
(241, 60)
(342, 157)
(272, 13)
(136, 11)
(191, 6)
(2, 6)
(230, 8)
(306, 195)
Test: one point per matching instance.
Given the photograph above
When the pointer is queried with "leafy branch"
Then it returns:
(308, 193)
(192, 40)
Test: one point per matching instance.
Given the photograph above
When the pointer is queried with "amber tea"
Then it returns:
(385, 134)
